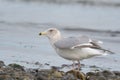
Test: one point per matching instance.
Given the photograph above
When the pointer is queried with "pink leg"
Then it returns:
(73, 65)
(79, 65)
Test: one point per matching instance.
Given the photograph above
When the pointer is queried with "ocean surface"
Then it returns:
(21, 22)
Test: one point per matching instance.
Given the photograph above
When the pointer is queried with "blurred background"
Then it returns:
(22, 20)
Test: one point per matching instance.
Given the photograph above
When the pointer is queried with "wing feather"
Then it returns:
(70, 42)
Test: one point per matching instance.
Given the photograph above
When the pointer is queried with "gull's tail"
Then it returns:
(96, 45)
(105, 50)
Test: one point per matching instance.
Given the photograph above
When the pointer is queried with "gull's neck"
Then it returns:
(55, 38)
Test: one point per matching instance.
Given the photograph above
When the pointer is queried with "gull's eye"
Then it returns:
(51, 30)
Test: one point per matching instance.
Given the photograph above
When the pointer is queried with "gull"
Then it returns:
(74, 48)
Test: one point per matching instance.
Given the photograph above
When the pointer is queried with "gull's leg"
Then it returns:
(73, 65)
(76, 73)
(81, 74)
(79, 66)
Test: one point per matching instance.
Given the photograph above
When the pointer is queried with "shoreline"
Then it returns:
(18, 72)
(71, 2)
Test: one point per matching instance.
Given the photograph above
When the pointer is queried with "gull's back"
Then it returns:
(68, 43)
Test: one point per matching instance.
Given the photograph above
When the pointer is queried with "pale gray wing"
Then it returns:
(70, 42)
(79, 42)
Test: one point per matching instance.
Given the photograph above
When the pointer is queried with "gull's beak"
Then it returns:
(42, 33)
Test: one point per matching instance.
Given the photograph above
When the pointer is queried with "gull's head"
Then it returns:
(51, 33)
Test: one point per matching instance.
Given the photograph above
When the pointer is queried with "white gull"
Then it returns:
(74, 48)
